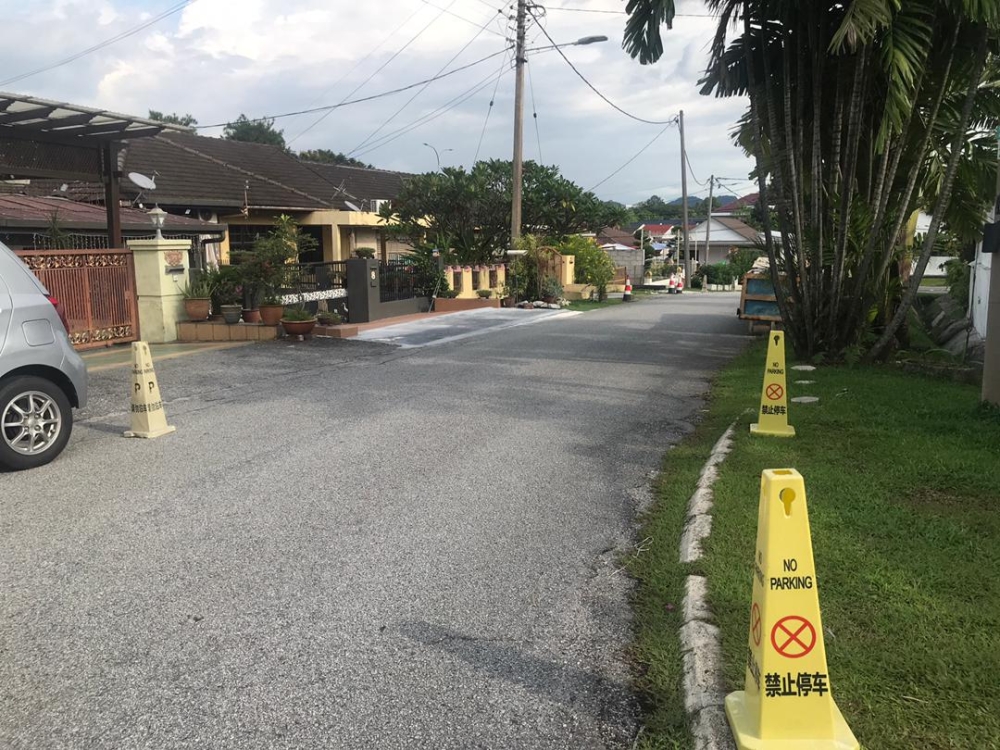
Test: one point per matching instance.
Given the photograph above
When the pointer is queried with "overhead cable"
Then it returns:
(558, 48)
(101, 45)
(362, 99)
(636, 156)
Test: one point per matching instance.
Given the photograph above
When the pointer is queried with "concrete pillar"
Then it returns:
(329, 243)
(567, 270)
(484, 276)
(501, 278)
(467, 290)
(161, 271)
(449, 277)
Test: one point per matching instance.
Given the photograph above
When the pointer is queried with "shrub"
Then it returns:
(365, 252)
(485, 293)
(958, 275)
(593, 265)
(551, 287)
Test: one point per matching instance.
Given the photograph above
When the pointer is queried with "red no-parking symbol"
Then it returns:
(755, 627)
(775, 391)
(793, 636)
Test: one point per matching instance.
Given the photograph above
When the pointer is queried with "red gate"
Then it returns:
(96, 289)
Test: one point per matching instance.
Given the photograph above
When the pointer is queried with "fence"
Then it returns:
(397, 280)
(96, 289)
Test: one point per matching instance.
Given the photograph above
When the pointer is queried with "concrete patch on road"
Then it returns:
(444, 329)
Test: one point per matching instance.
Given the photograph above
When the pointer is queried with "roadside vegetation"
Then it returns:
(903, 480)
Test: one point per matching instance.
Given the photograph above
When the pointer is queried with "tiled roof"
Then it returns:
(657, 228)
(216, 173)
(736, 205)
(34, 212)
(741, 228)
(360, 183)
(612, 235)
(198, 172)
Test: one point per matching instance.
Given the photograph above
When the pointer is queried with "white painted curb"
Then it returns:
(704, 699)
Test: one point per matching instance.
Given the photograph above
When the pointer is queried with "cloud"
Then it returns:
(266, 57)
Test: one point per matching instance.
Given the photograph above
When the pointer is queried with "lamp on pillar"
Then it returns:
(158, 216)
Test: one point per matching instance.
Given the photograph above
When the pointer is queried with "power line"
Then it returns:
(101, 45)
(625, 13)
(534, 114)
(363, 99)
(460, 18)
(691, 171)
(418, 93)
(433, 115)
(489, 110)
(377, 71)
(636, 156)
(594, 88)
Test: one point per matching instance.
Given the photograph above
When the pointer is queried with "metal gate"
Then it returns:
(96, 289)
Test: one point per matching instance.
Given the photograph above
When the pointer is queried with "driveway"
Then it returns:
(353, 545)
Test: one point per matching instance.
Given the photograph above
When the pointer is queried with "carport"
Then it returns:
(48, 139)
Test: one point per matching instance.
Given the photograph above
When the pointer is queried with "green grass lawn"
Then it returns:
(902, 476)
(933, 281)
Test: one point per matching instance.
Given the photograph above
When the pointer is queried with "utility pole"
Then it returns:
(991, 356)
(684, 205)
(708, 227)
(518, 178)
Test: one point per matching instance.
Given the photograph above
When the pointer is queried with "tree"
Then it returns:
(326, 156)
(468, 213)
(254, 131)
(861, 112)
(173, 118)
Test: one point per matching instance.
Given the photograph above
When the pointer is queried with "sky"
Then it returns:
(216, 59)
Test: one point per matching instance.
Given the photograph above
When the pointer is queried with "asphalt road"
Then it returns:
(353, 545)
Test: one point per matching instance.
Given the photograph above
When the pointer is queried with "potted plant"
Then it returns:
(297, 321)
(197, 298)
(484, 293)
(271, 310)
(365, 252)
(551, 289)
(231, 311)
(328, 319)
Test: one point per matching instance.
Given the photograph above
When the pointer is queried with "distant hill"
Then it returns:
(694, 200)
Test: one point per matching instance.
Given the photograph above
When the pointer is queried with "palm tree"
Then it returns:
(861, 112)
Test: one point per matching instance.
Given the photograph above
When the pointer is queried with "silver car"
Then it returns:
(41, 376)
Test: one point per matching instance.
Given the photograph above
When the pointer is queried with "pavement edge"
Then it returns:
(704, 699)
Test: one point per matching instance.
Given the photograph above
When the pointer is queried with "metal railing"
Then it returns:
(307, 278)
(397, 281)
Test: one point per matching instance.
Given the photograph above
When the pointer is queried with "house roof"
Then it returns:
(744, 202)
(21, 211)
(611, 235)
(360, 183)
(195, 171)
(658, 229)
(740, 227)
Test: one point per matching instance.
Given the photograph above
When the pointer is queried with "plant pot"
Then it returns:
(251, 316)
(506, 301)
(549, 300)
(270, 315)
(298, 327)
(230, 313)
(198, 308)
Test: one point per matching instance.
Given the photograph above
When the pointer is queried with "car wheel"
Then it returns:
(35, 422)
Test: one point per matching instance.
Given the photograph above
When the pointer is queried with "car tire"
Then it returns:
(40, 407)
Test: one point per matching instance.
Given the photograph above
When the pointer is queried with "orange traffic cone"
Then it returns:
(628, 290)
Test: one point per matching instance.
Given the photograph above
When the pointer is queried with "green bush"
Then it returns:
(959, 276)
(717, 273)
(741, 260)
(593, 265)
(365, 252)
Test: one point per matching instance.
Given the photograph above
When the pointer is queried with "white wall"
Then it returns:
(980, 290)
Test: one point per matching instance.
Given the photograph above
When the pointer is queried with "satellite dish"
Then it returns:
(351, 206)
(146, 183)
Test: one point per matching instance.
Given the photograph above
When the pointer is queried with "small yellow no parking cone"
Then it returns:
(786, 703)
(148, 418)
(773, 416)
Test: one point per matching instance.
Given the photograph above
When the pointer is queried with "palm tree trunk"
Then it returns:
(943, 200)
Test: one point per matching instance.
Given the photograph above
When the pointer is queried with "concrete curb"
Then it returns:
(704, 699)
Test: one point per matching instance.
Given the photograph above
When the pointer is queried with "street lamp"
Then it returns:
(582, 41)
(438, 155)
